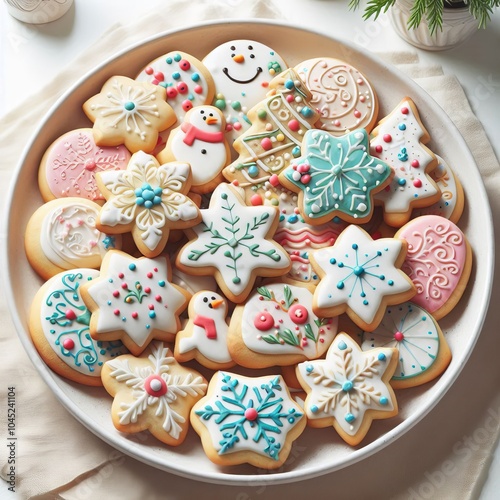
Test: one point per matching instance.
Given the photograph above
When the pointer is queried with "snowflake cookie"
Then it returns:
(399, 139)
(360, 276)
(423, 353)
(59, 326)
(233, 242)
(133, 300)
(147, 199)
(152, 392)
(247, 420)
(129, 112)
(336, 177)
(349, 388)
(277, 327)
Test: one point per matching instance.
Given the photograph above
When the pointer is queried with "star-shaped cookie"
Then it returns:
(133, 300)
(360, 276)
(349, 388)
(336, 177)
(234, 243)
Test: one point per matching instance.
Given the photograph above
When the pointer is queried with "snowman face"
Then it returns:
(209, 304)
(206, 117)
(242, 70)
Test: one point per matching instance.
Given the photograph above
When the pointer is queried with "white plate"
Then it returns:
(317, 451)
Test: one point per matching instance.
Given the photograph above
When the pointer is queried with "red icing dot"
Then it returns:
(263, 321)
(289, 98)
(125, 286)
(417, 183)
(90, 165)
(266, 144)
(116, 293)
(229, 127)
(405, 110)
(237, 126)
(149, 275)
(251, 414)
(357, 113)
(68, 344)
(184, 65)
(305, 179)
(256, 200)
(70, 314)
(378, 148)
(298, 314)
(135, 315)
(415, 164)
(265, 84)
(158, 298)
(171, 92)
(187, 105)
(294, 125)
(274, 180)
(387, 138)
(147, 289)
(198, 89)
(182, 88)
(399, 336)
(151, 307)
(159, 76)
(155, 269)
(155, 386)
(121, 275)
(116, 312)
(149, 70)
(303, 168)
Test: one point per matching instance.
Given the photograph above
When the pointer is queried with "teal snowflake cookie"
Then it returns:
(349, 388)
(360, 276)
(234, 243)
(423, 353)
(336, 177)
(247, 420)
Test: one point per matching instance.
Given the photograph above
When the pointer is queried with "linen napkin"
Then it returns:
(60, 456)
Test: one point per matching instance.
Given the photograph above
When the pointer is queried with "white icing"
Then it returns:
(419, 345)
(232, 239)
(164, 301)
(298, 341)
(88, 355)
(69, 238)
(398, 198)
(381, 277)
(212, 306)
(347, 367)
(193, 284)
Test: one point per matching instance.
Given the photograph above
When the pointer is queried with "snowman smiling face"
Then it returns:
(243, 57)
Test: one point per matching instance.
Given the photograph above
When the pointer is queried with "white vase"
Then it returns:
(458, 26)
(38, 11)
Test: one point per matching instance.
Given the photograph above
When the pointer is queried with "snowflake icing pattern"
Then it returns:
(348, 383)
(337, 175)
(232, 238)
(360, 272)
(153, 385)
(250, 408)
(152, 196)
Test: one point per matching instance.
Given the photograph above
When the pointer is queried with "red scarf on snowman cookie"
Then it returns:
(193, 133)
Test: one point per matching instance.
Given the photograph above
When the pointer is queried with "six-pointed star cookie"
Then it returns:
(360, 276)
(148, 199)
(336, 177)
(129, 112)
(349, 388)
(152, 392)
(233, 243)
(134, 301)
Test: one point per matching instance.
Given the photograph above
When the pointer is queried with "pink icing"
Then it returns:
(435, 260)
(73, 160)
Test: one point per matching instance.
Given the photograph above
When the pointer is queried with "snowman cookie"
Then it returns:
(204, 337)
(276, 326)
(242, 70)
(200, 141)
(186, 79)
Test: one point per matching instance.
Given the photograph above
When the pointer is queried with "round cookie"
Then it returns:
(186, 79)
(70, 163)
(62, 235)
(59, 328)
(200, 141)
(242, 70)
(343, 96)
(438, 261)
(423, 353)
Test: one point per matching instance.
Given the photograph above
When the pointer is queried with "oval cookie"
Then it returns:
(59, 327)
(438, 261)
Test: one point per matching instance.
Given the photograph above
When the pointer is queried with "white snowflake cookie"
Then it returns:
(360, 276)
(152, 392)
(247, 420)
(233, 243)
(349, 388)
(134, 300)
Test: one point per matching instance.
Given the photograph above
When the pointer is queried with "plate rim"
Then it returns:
(130, 448)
